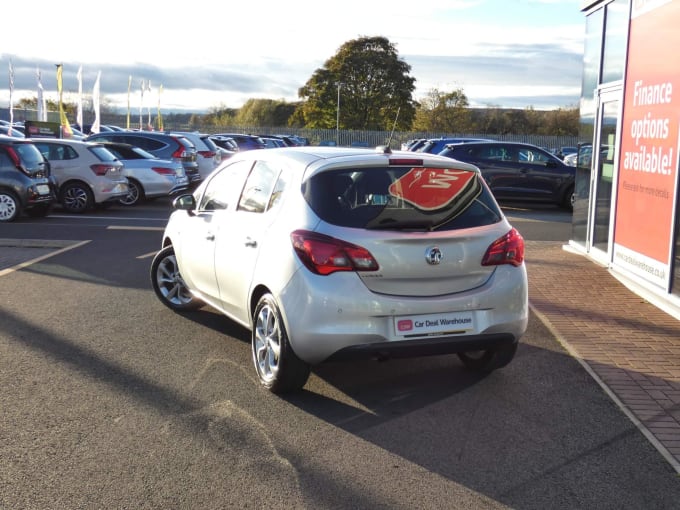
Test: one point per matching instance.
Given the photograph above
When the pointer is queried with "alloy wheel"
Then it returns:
(267, 342)
(8, 207)
(75, 199)
(170, 282)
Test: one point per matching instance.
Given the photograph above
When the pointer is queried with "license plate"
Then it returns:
(451, 322)
(43, 189)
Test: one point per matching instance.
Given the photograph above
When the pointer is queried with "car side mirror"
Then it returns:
(185, 203)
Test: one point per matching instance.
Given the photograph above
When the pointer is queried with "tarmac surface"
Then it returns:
(629, 346)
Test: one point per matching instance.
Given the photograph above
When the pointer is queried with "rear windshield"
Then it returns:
(103, 153)
(29, 154)
(401, 198)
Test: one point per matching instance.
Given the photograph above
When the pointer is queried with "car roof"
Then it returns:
(315, 158)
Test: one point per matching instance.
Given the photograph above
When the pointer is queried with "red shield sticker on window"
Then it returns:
(432, 188)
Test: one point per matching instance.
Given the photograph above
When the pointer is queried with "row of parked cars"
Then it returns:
(112, 166)
(514, 171)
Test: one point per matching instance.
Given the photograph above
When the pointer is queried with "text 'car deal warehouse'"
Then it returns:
(626, 207)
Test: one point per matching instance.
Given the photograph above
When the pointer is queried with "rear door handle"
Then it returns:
(251, 242)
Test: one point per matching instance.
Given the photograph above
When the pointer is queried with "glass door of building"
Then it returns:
(603, 154)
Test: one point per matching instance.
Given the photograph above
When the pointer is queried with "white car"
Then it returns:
(148, 176)
(86, 173)
(330, 253)
(208, 157)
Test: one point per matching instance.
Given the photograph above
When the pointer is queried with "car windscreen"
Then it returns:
(401, 198)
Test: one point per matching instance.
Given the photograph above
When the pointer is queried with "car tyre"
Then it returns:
(490, 359)
(278, 367)
(135, 194)
(569, 199)
(168, 284)
(76, 198)
(10, 208)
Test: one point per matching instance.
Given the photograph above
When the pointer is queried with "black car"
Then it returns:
(162, 145)
(25, 180)
(519, 171)
(244, 142)
(436, 145)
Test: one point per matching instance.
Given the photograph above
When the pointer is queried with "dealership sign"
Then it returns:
(648, 166)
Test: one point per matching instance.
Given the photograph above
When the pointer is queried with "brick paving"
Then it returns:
(630, 346)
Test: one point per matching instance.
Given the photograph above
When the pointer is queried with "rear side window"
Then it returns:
(103, 154)
(401, 198)
(149, 144)
(56, 152)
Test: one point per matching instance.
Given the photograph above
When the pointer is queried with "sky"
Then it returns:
(204, 55)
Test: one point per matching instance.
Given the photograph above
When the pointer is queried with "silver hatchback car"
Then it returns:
(328, 253)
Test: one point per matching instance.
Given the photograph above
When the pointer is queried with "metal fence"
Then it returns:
(343, 137)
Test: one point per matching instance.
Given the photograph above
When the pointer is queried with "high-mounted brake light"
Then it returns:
(406, 162)
(324, 255)
(508, 249)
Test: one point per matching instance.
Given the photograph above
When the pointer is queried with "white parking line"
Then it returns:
(125, 227)
(9, 270)
(107, 218)
(147, 255)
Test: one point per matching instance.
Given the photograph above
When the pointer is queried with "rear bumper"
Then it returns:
(423, 347)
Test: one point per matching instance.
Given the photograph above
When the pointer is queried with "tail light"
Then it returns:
(181, 151)
(13, 154)
(207, 154)
(15, 158)
(164, 171)
(101, 169)
(323, 255)
(508, 249)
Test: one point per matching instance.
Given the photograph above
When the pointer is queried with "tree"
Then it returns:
(264, 112)
(446, 112)
(373, 85)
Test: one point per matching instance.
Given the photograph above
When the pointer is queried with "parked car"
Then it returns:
(519, 171)
(207, 155)
(164, 146)
(25, 181)
(570, 159)
(436, 145)
(245, 142)
(225, 142)
(329, 253)
(410, 144)
(283, 140)
(562, 152)
(147, 175)
(87, 173)
(221, 153)
(273, 143)
(9, 130)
